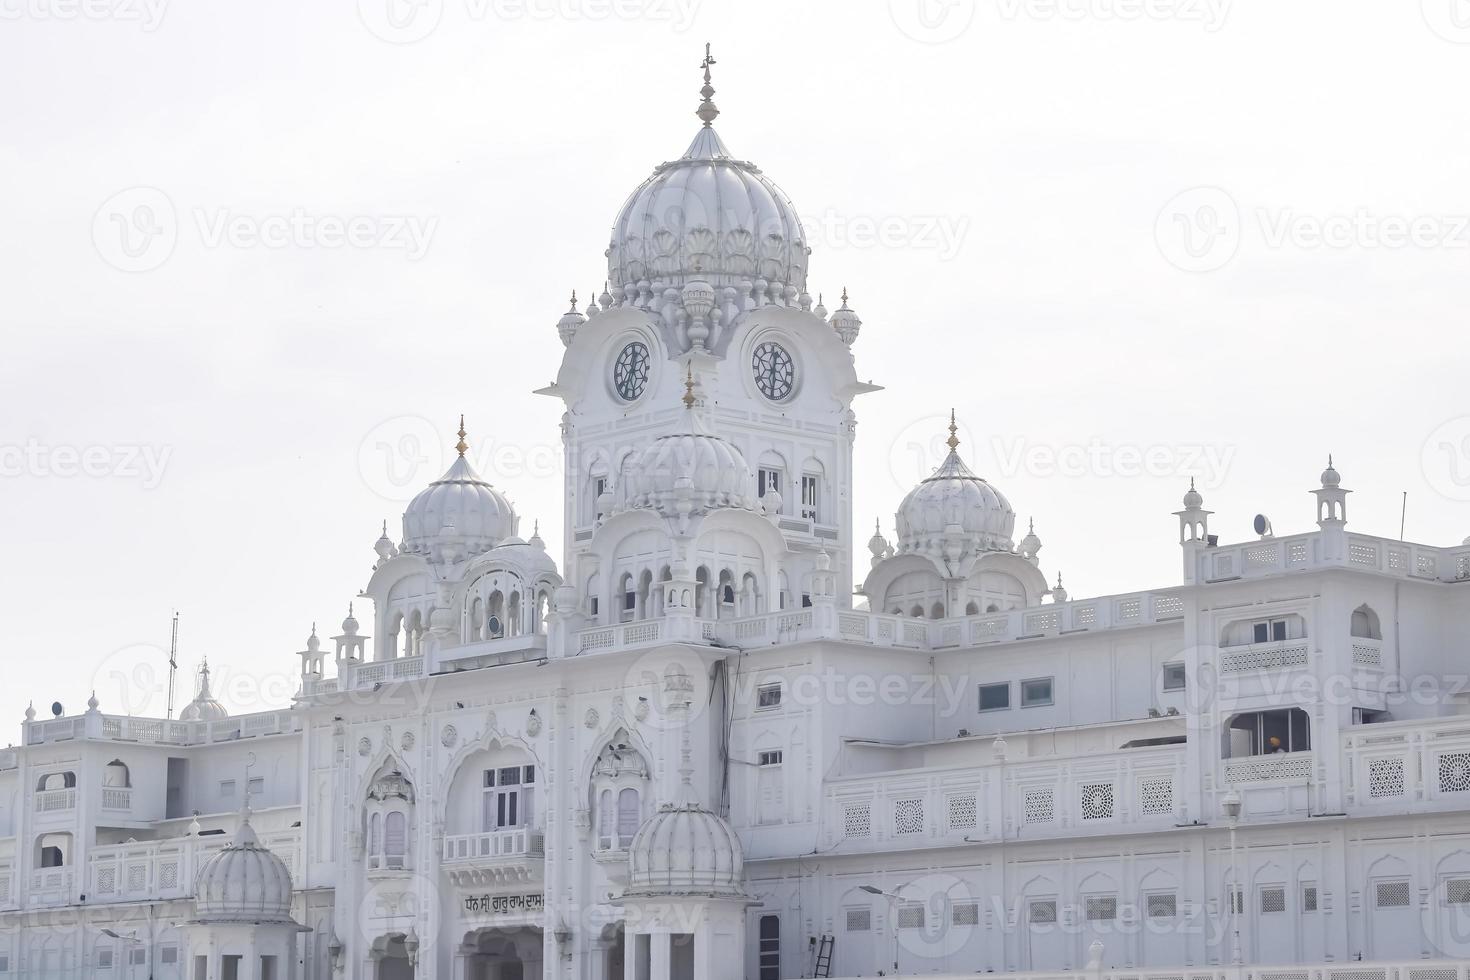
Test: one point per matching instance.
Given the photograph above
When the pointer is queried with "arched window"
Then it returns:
(630, 815)
(936, 611)
(543, 609)
(115, 775)
(606, 820)
(395, 839)
(971, 609)
(391, 644)
(513, 614)
(917, 612)
(56, 780)
(1365, 624)
(390, 803)
(619, 779)
(627, 597)
(477, 619)
(495, 615)
(53, 850)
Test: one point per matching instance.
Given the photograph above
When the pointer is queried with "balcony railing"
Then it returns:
(157, 731)
(163, 869)
(1409, 970)
(56, 800)
(1063, 796)
(1293, 766)
(514, 843)
(1424, 763)
(117, 798)
(1272, 556)
(1279, 655)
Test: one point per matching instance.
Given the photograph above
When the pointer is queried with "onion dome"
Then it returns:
(846, 322)
(690, 472)
(954, 501)
(204, 707)
(1030, 544)
(384, 545)
(350, 625)
(1192, 498)
(459, 509)
(571, 320)
(1330, 477)
(313, 644)
(1059, 594)
(684, 849)
(877, 544)
(245, 882)
(707, 217)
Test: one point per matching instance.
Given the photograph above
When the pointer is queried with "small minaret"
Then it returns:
(349, 644)
(1194, 531)
(311, 659)
(1332, 514)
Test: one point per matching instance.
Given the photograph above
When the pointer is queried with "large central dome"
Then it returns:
(707, 217)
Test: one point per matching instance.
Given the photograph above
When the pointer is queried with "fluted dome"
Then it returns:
(955, 500)
(204, 707)
(458, 508)
(693, 467)
(245, 882)
(708, 217)
(684, 849)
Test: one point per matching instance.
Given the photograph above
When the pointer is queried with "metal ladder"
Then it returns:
(824, 957)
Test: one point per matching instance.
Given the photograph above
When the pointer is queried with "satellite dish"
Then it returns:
(1263, 526)
(56, 709)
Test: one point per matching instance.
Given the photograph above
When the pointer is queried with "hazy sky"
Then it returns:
(245, 246)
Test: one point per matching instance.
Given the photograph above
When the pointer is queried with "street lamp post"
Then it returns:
(1231, 805)
(893, 899)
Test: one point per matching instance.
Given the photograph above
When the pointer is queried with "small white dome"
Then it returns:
(204, 707)
(1330, 477)
(707, 217)
(458, 508)
(1192, 498)
(684, 849)
(245, 882)
(955, 499)
(703, 470)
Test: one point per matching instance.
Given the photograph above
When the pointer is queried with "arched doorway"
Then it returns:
(391, 959)
(503, 954)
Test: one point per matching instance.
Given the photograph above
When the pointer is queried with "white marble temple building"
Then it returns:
(688, 747)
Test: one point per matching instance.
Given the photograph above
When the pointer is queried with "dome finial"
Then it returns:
(953, 442)
(707, 111)
(463, 446)
(574, 302)
(689, 389)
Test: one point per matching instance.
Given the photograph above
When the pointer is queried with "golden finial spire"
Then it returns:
(462, 446)
(953, 442)
(707, 109)
(689, 389)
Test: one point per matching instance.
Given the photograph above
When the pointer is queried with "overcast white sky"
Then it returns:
(1043, 176)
